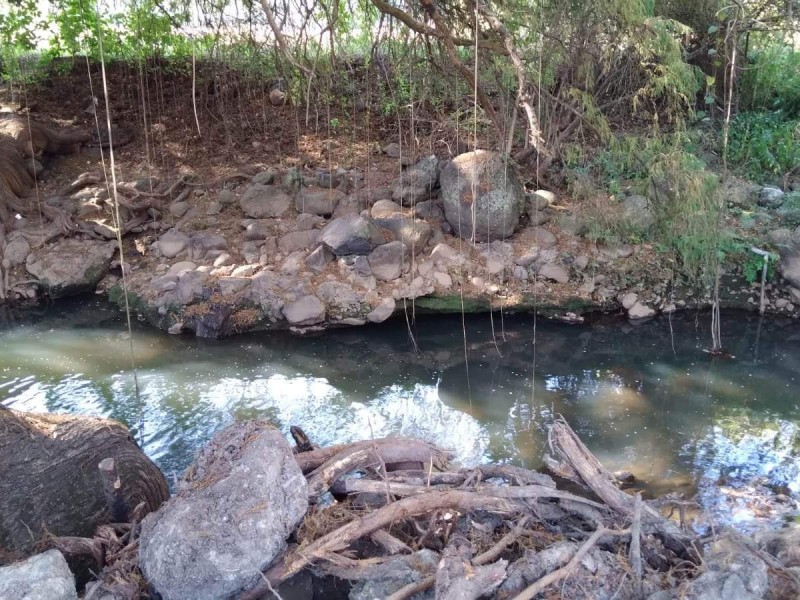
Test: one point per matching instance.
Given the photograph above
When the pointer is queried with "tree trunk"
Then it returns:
(49, 477)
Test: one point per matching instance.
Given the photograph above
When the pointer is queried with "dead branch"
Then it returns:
(389, 543)
(393, 451)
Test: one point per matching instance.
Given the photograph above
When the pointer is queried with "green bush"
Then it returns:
(764, 145)
(772, 81)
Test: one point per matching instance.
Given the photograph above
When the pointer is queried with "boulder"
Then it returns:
(172, 243)
(308, 310)
(640, 310)
(298, 240)
(493, 211)
(191, 287)
(256, 231)
(202, 244)
(392, 150)
(628, 300)
(16, 251)
(181, 268)
(385, 208)
(383, 580)
(318, 201)
(307, 222)
(789, 249)
(728, 573)
(446, 256)
(636, 211)
(264, 177)
(44, 576)
(71, 266)
(543, 238)
(341, 299)
(417, 182)
(319, 259)
(555, 273)
(428, 209)
(265, 202)
(237, 504)
(383, 311)
(414, 233)
(386, 261)
(351, 235)
(349, 205)
(770, 197)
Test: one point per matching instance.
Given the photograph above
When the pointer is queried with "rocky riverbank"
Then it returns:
(307, 249)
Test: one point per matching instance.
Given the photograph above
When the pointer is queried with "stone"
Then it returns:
(298, 240)
(256, 231)
(443, 280)
(614, 251)
(520, 273)
(385, 208)
(176, 328)
(318, 259)
(164, 283)
(386, 261)
(224, 260)
(293, 263)
(781, 303)
(555, 273)
(794, 295)
(383, 580)
(16, 251)
(265, 202)
(351, 235)
(226, 197)
(628, 300)
(528, 258)
(419, 286)
(172, 243)
(340, 298)
(308, 310)
(214, 208)
(445, 256)
(201, 244)
(191, 287)
(278, 98)
(733, 572)
(318, 201)
(543, 238)
(228, 286)
(264, 177)
(428, 209)
(636, 211)
(572, 224)
(770, 197)
(179, 209)
(640, 311)
(245, 271)
(307, 222)
(244, 495)
(44, 576)
(383, 311)
(71, 266)
(581, 262)
(181, 268)
(414, 233)
(542, 199)
(392, 150)
(495, 212)
(350, 205)
(417, 183)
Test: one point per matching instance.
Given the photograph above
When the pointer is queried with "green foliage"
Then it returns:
(763, 145)
(738, 251)
(772, 80)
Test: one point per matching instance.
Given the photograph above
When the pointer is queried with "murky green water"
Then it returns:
(645, 398)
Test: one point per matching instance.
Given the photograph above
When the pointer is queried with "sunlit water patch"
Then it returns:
(645, 398)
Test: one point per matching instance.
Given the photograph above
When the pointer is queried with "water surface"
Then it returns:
(644, 398)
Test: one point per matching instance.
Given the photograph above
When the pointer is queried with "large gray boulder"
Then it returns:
(386, 262)
(318, 201)
(265, 202)
(308, 310)
(236, 506)
(71, 266)
(44, 576)
(482, 196)
(352, 234)
(418, 182)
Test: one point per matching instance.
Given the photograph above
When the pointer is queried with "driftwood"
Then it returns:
(50, 481)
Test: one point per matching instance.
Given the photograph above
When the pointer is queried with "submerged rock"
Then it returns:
(44, 576)
(482, 196)
(236, 506)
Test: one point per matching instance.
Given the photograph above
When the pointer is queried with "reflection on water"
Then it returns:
(646, 399)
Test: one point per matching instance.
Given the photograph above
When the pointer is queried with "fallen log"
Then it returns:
(50, 479)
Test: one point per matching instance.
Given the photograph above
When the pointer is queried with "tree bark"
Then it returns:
(49, 477)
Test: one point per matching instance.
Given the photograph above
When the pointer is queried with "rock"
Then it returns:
(614, 251)
(191, 287)
(418, 287)
(165, 283)
(298, 240)
(16, 251)
(520, 273)
(307, 222)
(179, 209)
(495, 213)
(293, 263)
(640, 311)
(418, 182)
(45, 576)
(528, 258)
(392, 150)
(350, 205)
(770, 197)
(264, 177)
(446, 256)
(428, 209)
(318, 201)
(292, 180)
(383, 580)
(628, 300)
(172, 243)
(386, 261)
(541, 217)
(731, 573)
(414, 233)
(256, 231)
(555, 273)
(542, 199)
(383, 311)
(278, 98)
(781, 303)
(71, 266)
(328, 179)
(385, 208)
(636, 211)
(175, 328)
(443, 280)
(351, 235)
(201, 244)
(228, 286)
(226, 197)
(308, 310)
(236, 506)
(340, 298)
(214, 208)
(319, 259)
(543, 238)
(265, 202)
(572, 224)
(794, 294)
(181, 268)
(245, 271)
